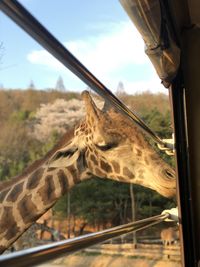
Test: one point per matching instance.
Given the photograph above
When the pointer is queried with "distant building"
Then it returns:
(60, 85)
(31, 85)
(120, 89)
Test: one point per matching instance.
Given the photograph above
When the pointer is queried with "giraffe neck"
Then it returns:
(22, 203)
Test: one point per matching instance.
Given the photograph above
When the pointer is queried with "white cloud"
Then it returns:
(153, 85)
(118, 48)
(114, 50)
(42, 57)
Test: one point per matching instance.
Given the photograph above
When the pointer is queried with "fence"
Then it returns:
(30, 257)
(147, 251)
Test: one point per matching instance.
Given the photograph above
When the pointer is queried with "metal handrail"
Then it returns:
(40, 254)
(34, 28)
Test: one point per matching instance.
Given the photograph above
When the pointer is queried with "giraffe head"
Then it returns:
(108, 145)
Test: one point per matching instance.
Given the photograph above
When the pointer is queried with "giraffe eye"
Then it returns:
(169, 174)
(105, 147)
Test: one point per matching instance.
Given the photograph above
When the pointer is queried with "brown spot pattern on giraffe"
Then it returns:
(50, 169)
(146, 161)
(105, 166)
(3, 194)
(154, 157)
(120, 178)
(47, 191)
(34, 179)
(72, 169)
(87, 153)
(82, 126)
(139, 140)
(139, 152)
(128, 173)
(15, 192)
(99, 173)
(93, 159)
(8, 225)
(116, 166)
(63, 181)
(90, 166)
(27, 209)
(90, 149)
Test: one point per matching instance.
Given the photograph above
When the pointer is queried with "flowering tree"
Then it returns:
(59, 117)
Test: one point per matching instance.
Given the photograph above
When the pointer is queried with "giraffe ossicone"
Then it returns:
(105, 144)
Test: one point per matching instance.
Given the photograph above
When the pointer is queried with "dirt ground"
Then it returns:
(79, 260)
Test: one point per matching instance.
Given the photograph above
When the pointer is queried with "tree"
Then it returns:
(60, 84)
(59, 116)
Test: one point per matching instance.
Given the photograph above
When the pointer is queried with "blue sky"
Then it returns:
(99, 33)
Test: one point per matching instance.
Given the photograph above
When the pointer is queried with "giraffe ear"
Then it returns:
(64, 157)
(91, 108)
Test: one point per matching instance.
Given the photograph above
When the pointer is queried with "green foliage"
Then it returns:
(20, 115)
(158, 122)
(97, 201)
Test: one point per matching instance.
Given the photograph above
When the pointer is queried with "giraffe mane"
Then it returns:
(65, 138)
(123, 126)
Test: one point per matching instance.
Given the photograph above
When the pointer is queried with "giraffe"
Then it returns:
(105, 144)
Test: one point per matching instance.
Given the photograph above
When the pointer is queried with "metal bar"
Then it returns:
(38, 255)
(184, 197)
(36, 30)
